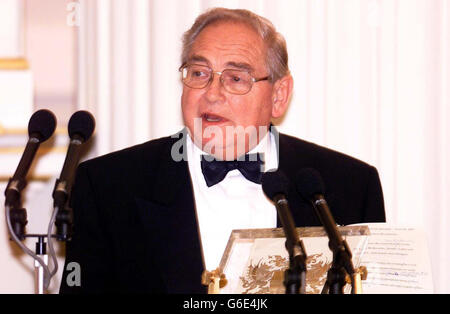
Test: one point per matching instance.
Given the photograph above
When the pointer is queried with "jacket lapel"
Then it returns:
(169, 212)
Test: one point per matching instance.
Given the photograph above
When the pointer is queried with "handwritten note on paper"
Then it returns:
(397, 261)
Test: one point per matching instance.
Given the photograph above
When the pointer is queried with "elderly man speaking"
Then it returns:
(151, 218)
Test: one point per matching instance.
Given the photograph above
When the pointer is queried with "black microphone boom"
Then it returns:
(276, 185)
(310, 186)
(80, 128)
(41, 126)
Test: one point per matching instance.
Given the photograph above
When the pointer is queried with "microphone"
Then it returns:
(41, 126)
(275, 186)
(310, 186)
(80, 128)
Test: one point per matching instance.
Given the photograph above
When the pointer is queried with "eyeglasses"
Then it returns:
(237, 82)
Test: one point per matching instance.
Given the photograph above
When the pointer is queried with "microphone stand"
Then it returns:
(41, 251)
(341, 265)
(295, 275)
(16, 221)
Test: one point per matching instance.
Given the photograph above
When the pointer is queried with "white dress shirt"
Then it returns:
(234, 203)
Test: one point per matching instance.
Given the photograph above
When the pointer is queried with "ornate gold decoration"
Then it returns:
(356, 279)
(215, 280)
(266, 277)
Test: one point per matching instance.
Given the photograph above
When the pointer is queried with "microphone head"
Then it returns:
(42, 123)
(274, 182)
(81, 123)
(309, 183)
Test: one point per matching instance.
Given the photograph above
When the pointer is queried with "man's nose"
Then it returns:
(215, 89)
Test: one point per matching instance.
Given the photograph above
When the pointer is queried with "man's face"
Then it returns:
(223, 46)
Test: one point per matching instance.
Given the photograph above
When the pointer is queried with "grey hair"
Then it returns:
(276, 55)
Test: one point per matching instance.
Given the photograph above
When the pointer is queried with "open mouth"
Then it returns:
(211, 118)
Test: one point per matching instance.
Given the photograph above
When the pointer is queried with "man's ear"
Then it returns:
(281, 95)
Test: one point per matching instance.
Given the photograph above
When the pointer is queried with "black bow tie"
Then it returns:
(215, 171)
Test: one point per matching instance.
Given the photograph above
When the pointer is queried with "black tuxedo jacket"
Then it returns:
(135, 227)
